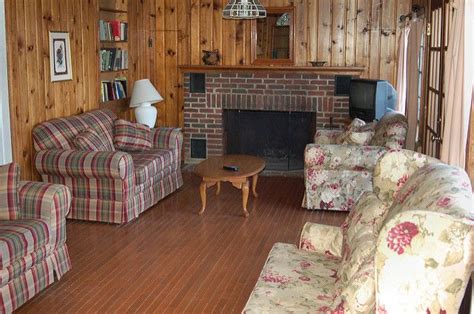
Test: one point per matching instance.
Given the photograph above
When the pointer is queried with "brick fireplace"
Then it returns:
(260, 91)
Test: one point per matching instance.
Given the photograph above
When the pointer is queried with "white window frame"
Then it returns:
(5, 131)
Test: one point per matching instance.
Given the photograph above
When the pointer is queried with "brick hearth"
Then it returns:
(270, 91)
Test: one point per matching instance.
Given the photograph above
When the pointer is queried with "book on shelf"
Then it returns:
(113, 30)
(113, 59)
(113, 89)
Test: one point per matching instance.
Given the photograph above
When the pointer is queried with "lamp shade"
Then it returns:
(144, 92)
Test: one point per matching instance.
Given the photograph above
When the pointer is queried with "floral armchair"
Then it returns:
(337, 171)
(407, 247)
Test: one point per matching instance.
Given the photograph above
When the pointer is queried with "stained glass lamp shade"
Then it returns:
(244, 9)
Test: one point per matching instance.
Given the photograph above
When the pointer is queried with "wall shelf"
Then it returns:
(112, 10)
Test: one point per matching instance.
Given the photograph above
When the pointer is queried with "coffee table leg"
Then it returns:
(245, 197)
(202, 189)
(254, 185)
(218, 188)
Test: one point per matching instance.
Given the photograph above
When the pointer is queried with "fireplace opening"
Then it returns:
(279, 137)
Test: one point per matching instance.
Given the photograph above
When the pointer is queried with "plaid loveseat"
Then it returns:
(33, 251)
(107, 186)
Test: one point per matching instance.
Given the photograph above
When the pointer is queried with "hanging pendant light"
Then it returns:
(244, 9)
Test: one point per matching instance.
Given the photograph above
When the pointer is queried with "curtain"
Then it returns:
(457, 105)
(470, 145)
(402, 69)
(413, 80)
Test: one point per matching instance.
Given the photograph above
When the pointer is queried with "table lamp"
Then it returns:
(143, 96)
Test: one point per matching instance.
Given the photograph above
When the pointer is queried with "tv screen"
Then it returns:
(362, 94)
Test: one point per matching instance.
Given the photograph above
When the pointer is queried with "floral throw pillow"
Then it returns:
(9, 201)
(357, 133)
(355, 124)
(131, 137)
(358, 138)
(89, 140)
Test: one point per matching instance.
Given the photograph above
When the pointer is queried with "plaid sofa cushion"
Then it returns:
(89, 140)
(9, 180)
(60, 133)
(151, 163)
(131, 137)
(19, 238)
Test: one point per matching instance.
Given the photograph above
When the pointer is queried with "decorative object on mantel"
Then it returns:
(145, 94)
(60, 56)
(244, 9)
(283, 20)
(318, 63)
(211, 57)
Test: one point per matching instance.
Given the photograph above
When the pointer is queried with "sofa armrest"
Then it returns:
(50, 202)
(327, 136)
(426, 259)
(323, 239)
(168, 138)
(342, 157)
(84, 164)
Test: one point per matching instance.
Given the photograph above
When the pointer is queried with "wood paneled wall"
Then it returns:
(341, 32)
(33, 98)
(164, 34)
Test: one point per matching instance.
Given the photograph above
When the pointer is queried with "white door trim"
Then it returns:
(5, 132)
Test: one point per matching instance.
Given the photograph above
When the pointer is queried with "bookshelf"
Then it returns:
(113, 55)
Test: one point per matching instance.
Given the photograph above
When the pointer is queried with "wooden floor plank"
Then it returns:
(172, 260)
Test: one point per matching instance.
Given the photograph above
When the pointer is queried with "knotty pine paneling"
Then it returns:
(164, 34)
(341, 32)
(33, 97)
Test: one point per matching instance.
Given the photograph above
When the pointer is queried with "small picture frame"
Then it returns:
(60, 56)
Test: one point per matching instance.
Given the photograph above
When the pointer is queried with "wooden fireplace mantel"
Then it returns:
(325, 70)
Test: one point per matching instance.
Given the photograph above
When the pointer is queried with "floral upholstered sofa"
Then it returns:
(339, 165)
(109, 185)
(33, 251)
(406, 247)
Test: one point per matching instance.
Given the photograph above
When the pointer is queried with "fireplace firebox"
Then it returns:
(279, 137)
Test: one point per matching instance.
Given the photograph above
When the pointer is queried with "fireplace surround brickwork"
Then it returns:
(270, 91)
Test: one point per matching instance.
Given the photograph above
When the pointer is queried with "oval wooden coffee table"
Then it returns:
(212, 173)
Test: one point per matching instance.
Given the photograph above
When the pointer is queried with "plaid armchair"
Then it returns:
(406, 247)
(336, 175)
(33, 250)
(107, 186)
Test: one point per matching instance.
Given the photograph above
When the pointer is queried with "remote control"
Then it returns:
(231, 168)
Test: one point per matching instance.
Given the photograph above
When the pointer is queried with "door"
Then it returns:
(439, 18)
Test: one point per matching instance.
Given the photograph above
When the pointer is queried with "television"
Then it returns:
(370, 99)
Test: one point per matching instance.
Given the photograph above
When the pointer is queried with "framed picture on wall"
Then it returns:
(60, 56)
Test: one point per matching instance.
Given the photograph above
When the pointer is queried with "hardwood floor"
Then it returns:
(172, 260)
